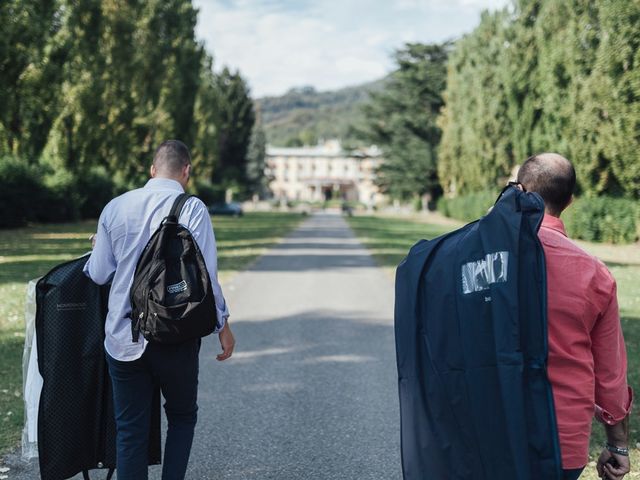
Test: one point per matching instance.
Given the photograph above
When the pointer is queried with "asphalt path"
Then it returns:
(311, 390)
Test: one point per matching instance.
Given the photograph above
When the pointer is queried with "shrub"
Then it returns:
(21, 194)
(61, 202)
(28, 195)
(468, 207)
(603, 219)
(94, 190)
(208, 192)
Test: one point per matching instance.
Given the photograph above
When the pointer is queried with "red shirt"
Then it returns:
(587, 359)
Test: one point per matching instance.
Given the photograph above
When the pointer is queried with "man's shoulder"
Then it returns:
(124, 197)
(559, 246)
(553, 238)
(117, 205)
(196, 203)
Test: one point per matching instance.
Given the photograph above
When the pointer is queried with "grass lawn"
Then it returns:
(29, 253)
(389, 239)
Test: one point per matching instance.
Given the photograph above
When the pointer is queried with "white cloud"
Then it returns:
(325, 43)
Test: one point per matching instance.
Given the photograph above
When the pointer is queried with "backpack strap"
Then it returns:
(174, 214)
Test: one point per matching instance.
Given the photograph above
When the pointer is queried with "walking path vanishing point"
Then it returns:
(311, 391)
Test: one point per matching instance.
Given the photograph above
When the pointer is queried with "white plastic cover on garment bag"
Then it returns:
(31, 378)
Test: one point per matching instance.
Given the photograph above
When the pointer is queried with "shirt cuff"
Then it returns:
(221, 321)
(85, 269)
(605, 417)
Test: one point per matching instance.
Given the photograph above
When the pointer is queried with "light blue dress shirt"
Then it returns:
(125, 226)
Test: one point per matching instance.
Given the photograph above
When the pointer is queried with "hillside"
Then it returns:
(304, 115)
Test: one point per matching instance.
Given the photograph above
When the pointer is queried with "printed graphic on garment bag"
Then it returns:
(478, 275)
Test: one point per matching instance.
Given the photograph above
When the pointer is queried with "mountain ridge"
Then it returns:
(304, 116)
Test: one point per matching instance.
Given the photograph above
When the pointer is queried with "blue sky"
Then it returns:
(325, 43)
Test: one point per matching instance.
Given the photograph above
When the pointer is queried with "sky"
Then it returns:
(327, 44)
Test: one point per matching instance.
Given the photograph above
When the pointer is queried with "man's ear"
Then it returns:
(153, 171)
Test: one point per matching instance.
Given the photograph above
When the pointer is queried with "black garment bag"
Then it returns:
(76, 425)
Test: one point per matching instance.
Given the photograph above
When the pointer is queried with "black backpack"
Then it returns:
(171, 296)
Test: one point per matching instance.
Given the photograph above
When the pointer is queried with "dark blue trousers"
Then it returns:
(572, 474)
(174, 368)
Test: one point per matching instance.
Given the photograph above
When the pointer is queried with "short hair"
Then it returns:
(552, 177)
(171, 157)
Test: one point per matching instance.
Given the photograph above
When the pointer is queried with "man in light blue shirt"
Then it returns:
(137, 368)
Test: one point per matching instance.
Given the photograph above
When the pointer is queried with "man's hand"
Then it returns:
(227, 342)
(93, 240)
(605, 467)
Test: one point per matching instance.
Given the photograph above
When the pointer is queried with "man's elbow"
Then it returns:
(97, 277)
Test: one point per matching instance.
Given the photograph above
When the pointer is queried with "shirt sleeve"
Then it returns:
(199, 224)
(102, 263)
(613, 397)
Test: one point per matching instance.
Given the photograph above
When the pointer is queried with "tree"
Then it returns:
(205, 143)
(28, 74)
(401, 120)
(257, 182)
(560, 76)
(235, 118)
(476, 149)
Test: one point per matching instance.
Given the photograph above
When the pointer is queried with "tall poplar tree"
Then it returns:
(235, 118)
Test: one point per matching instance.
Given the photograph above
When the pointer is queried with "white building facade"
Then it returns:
(324, 172)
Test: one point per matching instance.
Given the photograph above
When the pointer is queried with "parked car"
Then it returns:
(234, 209)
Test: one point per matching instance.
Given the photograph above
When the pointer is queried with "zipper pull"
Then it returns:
(135, 328)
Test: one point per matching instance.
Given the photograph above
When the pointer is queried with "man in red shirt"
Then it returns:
(587, 363)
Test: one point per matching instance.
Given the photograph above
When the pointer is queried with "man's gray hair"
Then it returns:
(552, 176)
(171, 157)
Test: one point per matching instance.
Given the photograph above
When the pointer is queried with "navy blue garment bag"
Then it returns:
(471, 345)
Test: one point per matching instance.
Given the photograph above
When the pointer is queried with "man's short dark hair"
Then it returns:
(171, 157)
(552, 177)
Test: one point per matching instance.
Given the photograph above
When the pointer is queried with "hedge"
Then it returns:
(22, 192)
(603, 219)
(468, 207)
(30, 194)
(595, 219)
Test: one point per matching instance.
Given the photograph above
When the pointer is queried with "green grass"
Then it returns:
(389, 240)
(31, 252)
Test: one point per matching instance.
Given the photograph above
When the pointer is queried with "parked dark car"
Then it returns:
(233, 209)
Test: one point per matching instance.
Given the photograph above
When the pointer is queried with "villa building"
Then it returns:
(324, 172)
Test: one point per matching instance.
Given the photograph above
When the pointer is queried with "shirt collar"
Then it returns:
(554, 223)
(164, 183)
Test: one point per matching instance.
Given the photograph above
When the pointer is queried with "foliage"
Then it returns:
(21, 193)
(402, 121)
(468, 207)
(96, 85)
(476, 151)
(61, 202)
(208, 192)
(236, 116)
(30, 195)
(94, 190)
(257, 181)
(28, 69)
(546, 76)
(304, 116)
(603, 219)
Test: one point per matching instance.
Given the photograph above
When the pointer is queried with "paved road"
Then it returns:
(311, 390)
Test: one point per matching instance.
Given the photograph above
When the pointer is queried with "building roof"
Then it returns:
(330, 149)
